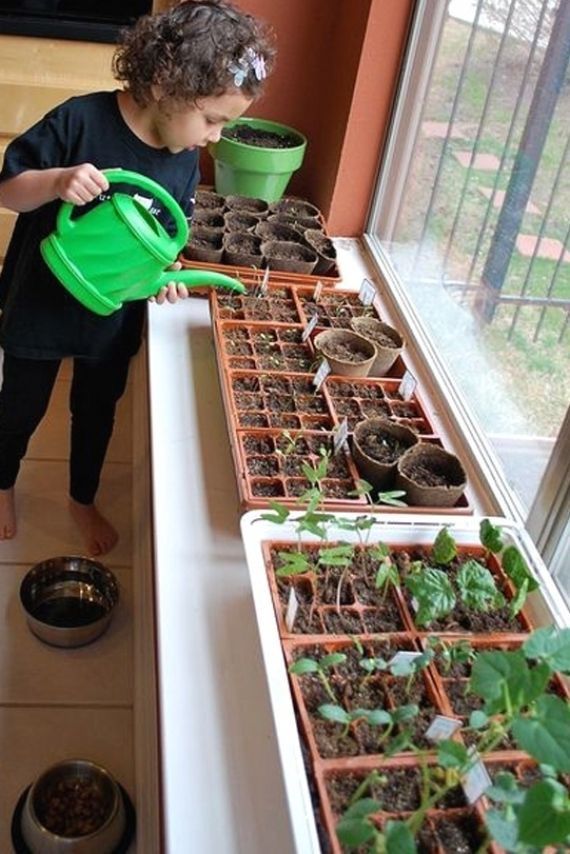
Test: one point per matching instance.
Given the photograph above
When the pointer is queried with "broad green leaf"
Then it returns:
(516, 568)
(333, 713)
(551, 645)
(393, 498)
(490, 536)
(503, 829)
(362, 808)
(399, 838)
(505, 789)
(546, 735)
(517, 602)
(278, 517)
(387, 573)
(336, 556)
(332, 659)
(478, 719)
(495, 671)
(477, 587)
(433, 592)
(362, 488)
(376, 717)
(451, 754)
(353, 832)
(303, 665)
(444, 547)
(406, 713)
(544, 816)
(294, 563)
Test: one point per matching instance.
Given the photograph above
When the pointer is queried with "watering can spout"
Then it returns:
(201, 279)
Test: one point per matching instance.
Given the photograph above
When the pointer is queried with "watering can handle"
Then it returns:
(125, 176)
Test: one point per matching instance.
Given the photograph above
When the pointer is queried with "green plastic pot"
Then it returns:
(249, 170)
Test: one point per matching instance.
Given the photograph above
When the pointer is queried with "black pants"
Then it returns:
(96, 387)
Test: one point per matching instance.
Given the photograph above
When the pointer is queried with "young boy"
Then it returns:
(186, 73)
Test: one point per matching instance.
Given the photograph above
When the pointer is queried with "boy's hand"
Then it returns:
(171, 292)
(80, 184)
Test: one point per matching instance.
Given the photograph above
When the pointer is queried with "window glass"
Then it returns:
(473, 213)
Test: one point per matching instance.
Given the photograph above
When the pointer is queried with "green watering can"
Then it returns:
(119, 251)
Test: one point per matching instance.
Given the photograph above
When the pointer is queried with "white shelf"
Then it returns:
(221, 775)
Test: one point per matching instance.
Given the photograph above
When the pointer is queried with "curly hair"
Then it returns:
(187, 51)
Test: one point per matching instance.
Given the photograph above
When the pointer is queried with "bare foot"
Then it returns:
(99, 535)
(8, 525)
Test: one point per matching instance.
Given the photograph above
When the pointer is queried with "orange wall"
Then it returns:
(335, 77)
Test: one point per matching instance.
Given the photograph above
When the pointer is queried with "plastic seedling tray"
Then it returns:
(544, 606)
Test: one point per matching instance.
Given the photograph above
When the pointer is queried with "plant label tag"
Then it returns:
(264, 286)
(292, 607)
(415, 604)
(407, 386)
(403, 657)
(441, 728)
(476, 781)
(367, 292)
(340, 436)
(309, 327)
(318, 291)
(321, 375)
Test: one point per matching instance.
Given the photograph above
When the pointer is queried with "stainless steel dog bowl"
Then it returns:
(74, 806)
(69, 601)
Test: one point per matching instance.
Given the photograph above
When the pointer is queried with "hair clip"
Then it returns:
(250, 61)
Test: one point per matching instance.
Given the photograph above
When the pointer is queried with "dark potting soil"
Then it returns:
(206, 241)
(261, 138)
(262, 466)
(345, 352)
(252, 419)
(323, 244)
(459, 835)
(380, 338)
(267, 489)
(248, 384)
(258, 445)
(381, 446)
(243, 242)
(362, 391)
(242, 364)
(289, 250)
(426, 476)
(286, 422)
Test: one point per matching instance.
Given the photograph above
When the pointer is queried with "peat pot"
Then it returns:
(348, 354)
(377, 444)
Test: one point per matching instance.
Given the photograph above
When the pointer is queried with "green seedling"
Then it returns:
(341, 555)
(450, 654)
(310, 665)
(381, 718)
(512, 561)
(392, 497)
(387, 575)
(411, 667)
(293, 563)
(290, 444)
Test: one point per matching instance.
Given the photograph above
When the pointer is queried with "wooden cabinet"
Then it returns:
(35, 75)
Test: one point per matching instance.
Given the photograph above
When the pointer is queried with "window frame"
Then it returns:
(548, 519)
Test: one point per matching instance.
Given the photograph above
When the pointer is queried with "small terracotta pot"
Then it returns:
(380, 333)
(295, 208)
(205, 244)
(331, 338)
(288, 256)
(324, 247)
(277, 231)
(239, 221)
(246, 203)
(442, 465)
(209, 199)
(380, 474)
(243, 249)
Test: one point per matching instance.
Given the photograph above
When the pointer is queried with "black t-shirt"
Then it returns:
(40, 318)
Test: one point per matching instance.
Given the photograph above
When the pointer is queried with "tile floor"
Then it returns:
(57, 703)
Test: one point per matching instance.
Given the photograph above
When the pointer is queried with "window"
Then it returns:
(471, 216)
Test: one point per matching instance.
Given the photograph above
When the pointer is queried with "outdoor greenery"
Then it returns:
(527, 347)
